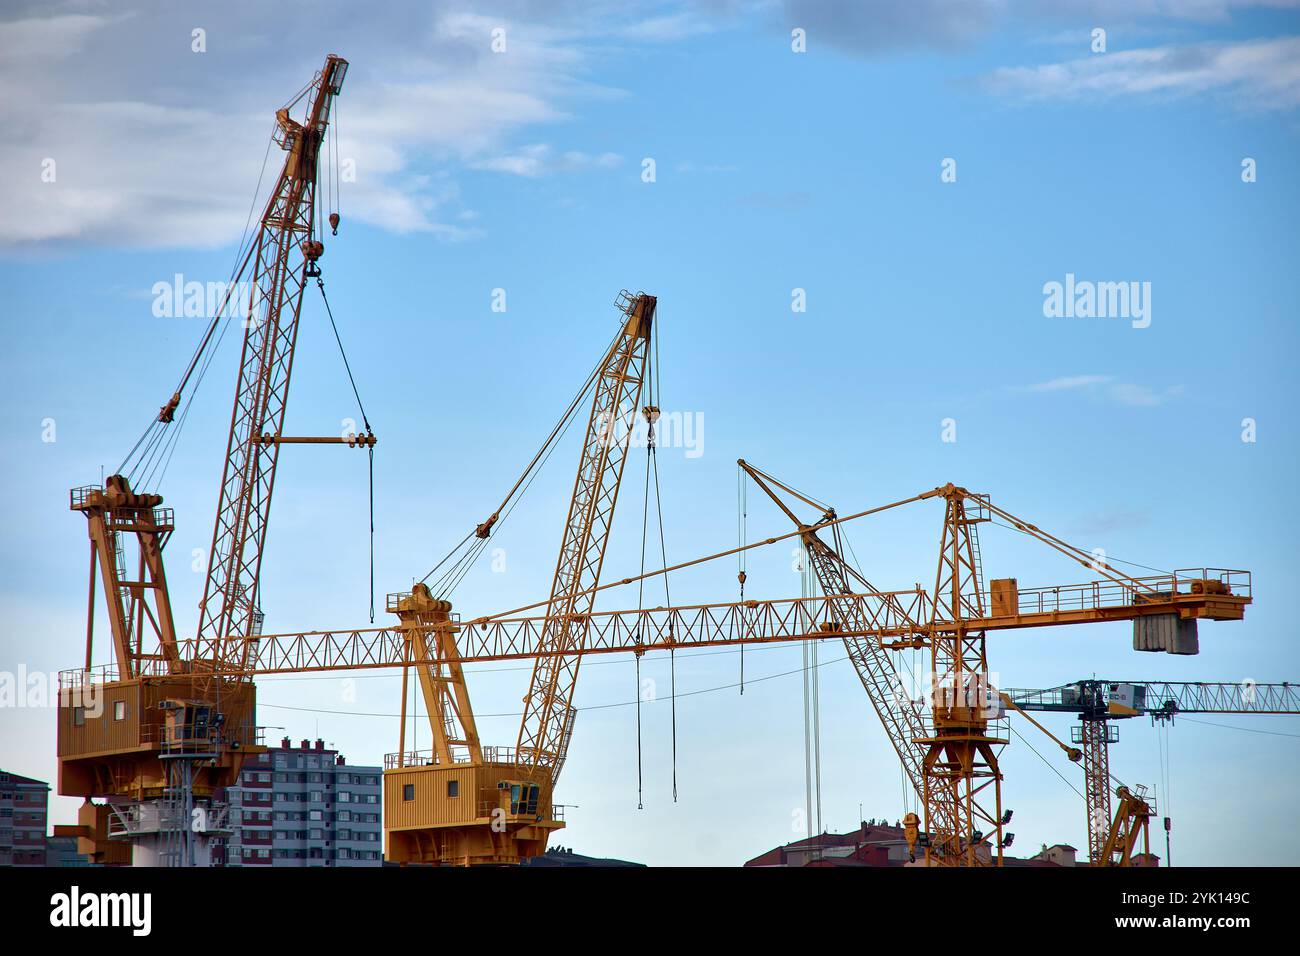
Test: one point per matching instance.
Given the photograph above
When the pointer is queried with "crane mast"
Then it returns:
(285, 253)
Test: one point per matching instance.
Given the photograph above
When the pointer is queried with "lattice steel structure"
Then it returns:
(548, 705)
(284, 258)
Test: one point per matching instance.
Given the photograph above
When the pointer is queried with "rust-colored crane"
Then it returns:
(163, 731)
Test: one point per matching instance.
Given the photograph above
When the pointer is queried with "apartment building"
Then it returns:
(305, 806)
(24, 813)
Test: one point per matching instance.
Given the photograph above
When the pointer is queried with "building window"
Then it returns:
(408, 791)
(453, 788)
(79, 716)
(119, 710)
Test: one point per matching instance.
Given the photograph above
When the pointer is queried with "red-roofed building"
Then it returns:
(879, 844)
(872, 844)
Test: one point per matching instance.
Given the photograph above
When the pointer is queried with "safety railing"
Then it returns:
(1097, 595)
(459, 755)
(488, 808)
(78, 497)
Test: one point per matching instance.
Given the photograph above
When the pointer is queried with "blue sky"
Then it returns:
(775, 171)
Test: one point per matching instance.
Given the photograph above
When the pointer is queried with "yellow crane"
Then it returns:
(948, 746)
(161, 732)
(461, 803)
(949, 749)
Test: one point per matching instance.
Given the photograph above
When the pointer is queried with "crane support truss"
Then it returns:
(114, 512)
(430, 632)
(548, 706)
(285, 253)
(962, 782)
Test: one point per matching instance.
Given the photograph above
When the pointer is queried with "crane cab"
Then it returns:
(471, 813)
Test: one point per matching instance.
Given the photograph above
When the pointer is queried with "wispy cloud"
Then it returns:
(140, 160)
(1105, 386)
(1255, 74)
(1070, 381)
(882, 29)
(1144, 396)
(678, 25)
(541, 159)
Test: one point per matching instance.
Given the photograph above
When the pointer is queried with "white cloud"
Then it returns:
(541, 159)
(1143, 396)
(878, 29)
(1106, 387)
(668, 27)
(155, 145)
(1256, 74)
(1071, 381)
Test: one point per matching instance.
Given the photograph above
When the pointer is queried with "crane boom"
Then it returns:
(887, 617)
(547, 722)
(285, 251)
(1161, 699)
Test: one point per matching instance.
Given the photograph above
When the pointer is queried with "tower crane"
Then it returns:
(943, 750)
(162, 731)
(950, 754)
(1112, 834)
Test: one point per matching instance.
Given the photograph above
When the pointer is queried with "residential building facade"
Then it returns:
(305, 806)
(24, 813)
